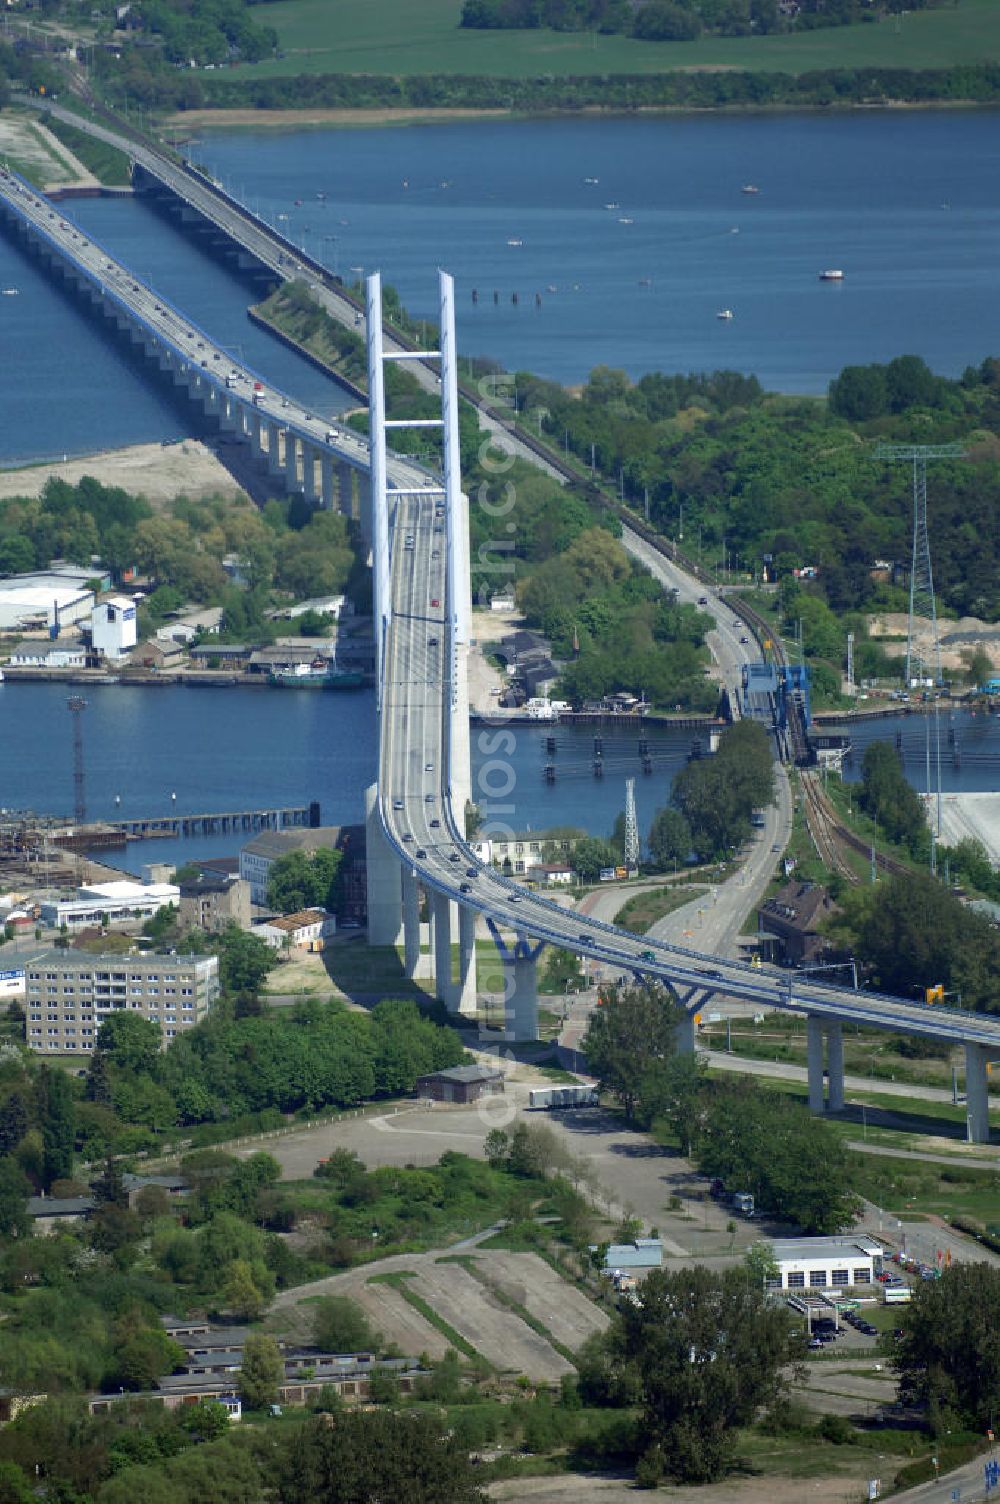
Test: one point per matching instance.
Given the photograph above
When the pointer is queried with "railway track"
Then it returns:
(830, 835)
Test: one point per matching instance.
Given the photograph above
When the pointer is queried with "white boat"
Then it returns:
(749, 188)
(833, 275)
(9, 292)
(725, 313)
(515, 242)
(592, 181)
(626, 221)
(612, 206)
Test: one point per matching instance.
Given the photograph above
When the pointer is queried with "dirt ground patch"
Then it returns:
(32, 145)
(501, 1336)
(531, 1282)
(294, 120)
(157, 471)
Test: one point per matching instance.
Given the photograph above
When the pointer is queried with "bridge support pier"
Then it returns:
(345, 488)
(686, 1033)
(365, 507)
(835, 1064)
(256, 429)
(443, 984)
(819, 1099)
(273, 449)
(467, 980)
(385, 888)
(309, 457)
(326, 482)
(977, 1100)
(411, 923)
(814, 1062)
(291, 462)
(520, 985)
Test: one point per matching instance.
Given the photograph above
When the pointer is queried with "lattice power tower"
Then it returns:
(631, 828)
(76, 706)
(922, 603)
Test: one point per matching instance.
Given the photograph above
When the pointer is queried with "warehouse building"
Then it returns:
(43, 600)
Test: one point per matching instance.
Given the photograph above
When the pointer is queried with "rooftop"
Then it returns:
(465, 1074)
(790, 1249)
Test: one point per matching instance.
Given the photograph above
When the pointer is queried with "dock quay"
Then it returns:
(290, 817)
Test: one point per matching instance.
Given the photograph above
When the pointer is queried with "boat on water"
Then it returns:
(626, 221)
(833, 275)
(592, 181)
(612, 206)
(749, 188)
(9, 292)
(725, 313)
(317, 675)
(515, 242)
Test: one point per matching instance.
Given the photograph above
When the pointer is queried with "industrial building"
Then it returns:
(113, 628)
(70, 994)
(45, 600)
(108, 902)
(212, 900)
(259, 855)
(826, 1263)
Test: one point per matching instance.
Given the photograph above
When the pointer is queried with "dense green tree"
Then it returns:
(261, 1372)
(130, 1042)
(710, 1350)
(57, 1120)
(244, 961)
(304, 880)
(795, 1166)
(14, 1192)
(669, 838)
(890, 800)
(356, 1455)
(948, 1357)
(631, 1030)
(341, 1326)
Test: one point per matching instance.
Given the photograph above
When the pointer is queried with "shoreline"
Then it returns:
(184, 124)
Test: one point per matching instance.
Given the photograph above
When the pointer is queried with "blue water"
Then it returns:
(904, 203)
(70, 385)
(230, 749)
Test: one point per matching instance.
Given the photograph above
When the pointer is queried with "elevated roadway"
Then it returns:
(309, 452)
(421, 752)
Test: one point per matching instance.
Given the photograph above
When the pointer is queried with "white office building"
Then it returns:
(828, 1264)
(114, 902)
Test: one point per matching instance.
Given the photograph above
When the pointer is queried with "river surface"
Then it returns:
(228, 749)
(904, 202)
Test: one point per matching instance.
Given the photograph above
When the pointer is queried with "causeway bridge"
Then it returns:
(416, 525)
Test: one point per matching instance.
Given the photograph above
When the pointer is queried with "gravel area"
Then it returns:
(493, 1330)
(560, 1307)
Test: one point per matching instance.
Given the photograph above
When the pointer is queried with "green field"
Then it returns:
(423, 36)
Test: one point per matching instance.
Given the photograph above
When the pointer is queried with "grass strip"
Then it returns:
(398, 1281)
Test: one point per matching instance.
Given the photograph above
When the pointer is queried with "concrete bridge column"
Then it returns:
(291, 461)
(411, 922)
(467, 980)
(345, 488)
(977, 1100)
(686, 1033)
(228, 413)
(385, 890)
(814, 1061)
(256, 429)
(326, 482)
(443, 984)
(365, 507)
(520, 986)
(835, 1064)
(310, 454)
(273, 448)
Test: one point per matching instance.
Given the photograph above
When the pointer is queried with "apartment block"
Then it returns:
(69, 994)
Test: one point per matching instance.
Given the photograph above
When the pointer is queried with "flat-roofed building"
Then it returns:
(826, 1263)
(69, 994)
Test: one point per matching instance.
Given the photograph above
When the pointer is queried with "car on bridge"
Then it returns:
(647, 955)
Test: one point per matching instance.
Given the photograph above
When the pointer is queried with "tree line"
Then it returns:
(670, 20)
